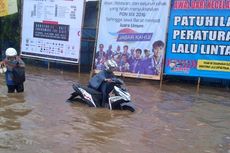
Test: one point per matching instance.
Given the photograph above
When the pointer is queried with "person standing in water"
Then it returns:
(12, 61)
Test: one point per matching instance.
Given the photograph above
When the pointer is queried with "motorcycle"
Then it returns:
(119, 98)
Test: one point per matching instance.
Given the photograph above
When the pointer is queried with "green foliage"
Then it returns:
(10, 27)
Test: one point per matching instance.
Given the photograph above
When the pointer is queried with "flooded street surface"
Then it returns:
(172, 120)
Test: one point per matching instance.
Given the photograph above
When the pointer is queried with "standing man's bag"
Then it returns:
(18, 74)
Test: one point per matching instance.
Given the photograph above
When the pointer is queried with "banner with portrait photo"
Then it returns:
(51, 29)
(133, 32)
(198, 39)
(8, 7)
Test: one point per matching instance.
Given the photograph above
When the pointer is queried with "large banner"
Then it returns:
(8, 7)
(51, 29)
(198, 39)
(133, 32)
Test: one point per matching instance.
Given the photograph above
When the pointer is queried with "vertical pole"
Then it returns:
(79, 67)
(161, 81)
(198, 86)
(48, 65)
(79, 70)
(20, 12)
(91, 71)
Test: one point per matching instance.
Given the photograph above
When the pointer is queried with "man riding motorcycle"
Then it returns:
(102, 81)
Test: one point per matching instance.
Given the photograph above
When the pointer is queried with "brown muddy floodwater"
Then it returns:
(172, 120)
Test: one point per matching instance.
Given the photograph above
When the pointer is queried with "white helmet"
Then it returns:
(110, 65)
(11, 52)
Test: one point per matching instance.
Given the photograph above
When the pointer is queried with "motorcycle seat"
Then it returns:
(92, 91)
(88, 89)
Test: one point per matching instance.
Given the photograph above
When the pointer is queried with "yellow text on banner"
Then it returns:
(213, 65)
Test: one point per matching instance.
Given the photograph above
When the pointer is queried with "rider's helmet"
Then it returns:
(110, 65)
(11, 52)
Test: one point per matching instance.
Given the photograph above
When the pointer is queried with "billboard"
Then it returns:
(51, 29)
(133, 32)
(198, 39)
(8, 7)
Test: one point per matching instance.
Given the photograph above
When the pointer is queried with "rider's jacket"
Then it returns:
(98, 79)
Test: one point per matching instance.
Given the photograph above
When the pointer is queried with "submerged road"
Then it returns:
(172, 120)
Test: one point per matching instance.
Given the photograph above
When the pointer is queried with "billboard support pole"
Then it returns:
(198, 86)
(20, 21)
(48, 65)
(164, 57)
(79, 70)
(91, 71)
(161, 81)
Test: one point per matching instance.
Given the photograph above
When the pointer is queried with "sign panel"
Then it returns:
(198, 39)
(52, 29)
(132, 32)
(8, 7)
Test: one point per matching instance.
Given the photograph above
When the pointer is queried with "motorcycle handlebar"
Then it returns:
(117, 81)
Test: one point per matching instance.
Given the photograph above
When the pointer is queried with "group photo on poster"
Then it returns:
(132, 33)
(147, 61)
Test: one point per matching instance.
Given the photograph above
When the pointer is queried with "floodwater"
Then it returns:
(172, 120)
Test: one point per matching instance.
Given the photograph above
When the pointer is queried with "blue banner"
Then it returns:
(198, 39)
